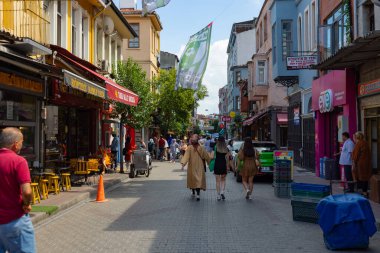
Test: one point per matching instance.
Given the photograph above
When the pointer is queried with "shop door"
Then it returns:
(372, 132)
(308, 158)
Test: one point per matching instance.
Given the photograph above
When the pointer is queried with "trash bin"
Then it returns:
(347, 221)
(331, 169)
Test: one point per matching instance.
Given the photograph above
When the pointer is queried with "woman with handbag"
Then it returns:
(220, 167)
(195, 156)
(249, 169)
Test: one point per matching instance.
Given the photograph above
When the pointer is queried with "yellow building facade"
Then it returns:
(145, 49)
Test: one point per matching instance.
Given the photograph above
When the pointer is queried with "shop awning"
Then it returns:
(79, 83)
(114, 91)
(252, 119)
(358, 52)
(282, 118)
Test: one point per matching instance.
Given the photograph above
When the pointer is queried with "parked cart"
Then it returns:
(141, 163)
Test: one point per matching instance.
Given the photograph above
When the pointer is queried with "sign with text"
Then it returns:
(369, 88)
(326, 101)
(226, 119)
(81, 84)
(301, 62)
(18, 82)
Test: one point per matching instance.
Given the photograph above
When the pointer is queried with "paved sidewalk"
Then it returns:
(67, 199)
(304, 176)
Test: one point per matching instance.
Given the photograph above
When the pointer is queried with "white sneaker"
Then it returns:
(247, 195)
(218, 197)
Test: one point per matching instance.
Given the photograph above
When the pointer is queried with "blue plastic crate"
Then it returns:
(310, 187)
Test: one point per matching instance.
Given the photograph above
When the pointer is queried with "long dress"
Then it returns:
(196, 177)
(361, 156)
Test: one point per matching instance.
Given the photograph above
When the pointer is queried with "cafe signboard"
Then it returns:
(17, 82)
(81, 84)
(369, 88)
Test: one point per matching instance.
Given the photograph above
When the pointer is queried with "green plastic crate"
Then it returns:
(305, 211)
(309, 194)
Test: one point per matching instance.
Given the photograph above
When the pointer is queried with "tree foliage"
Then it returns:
(131, 76)
(175, 107)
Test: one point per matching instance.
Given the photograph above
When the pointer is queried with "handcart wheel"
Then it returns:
(136, 173)
(147, 172)
(132, 171)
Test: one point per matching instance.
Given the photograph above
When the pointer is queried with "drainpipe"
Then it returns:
(355, 21)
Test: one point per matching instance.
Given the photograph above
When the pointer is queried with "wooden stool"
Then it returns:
(36, 193)
(65, 181)
(53, 184)
(44, 188)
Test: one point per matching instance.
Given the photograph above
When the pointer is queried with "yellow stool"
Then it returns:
(65, 181)
(44, 188)
(53, 184)
(36, 193)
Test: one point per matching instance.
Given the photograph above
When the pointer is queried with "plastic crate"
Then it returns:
(282, 185)
(311, 187)
(281, 170)
(305, 199)
(280, 180)
(305, 211)
(282, 192)
(310, 194)
(282, 174)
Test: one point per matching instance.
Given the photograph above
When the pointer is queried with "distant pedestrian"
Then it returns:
(248, 155)
(151, 147)
(161, 145)
(361, 157)
(183, 149)
(16, 229)
(207, 144)
(230, 165)
(220, 168)
(196, 156)
(345, 159)
(173, 150)
(115, 146)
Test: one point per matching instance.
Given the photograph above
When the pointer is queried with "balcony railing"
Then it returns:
(333, 37)
(25, 19)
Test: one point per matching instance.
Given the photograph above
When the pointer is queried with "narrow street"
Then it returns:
(157, 214)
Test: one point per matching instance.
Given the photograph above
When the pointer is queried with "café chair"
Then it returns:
(44, 188)
(65, 181)
(36, 193)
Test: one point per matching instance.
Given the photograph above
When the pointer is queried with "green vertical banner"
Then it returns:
(150, 5)
(193, 62)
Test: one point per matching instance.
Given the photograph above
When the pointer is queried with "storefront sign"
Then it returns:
(330, 90)
(121, 94)
(370, 88)
(226, 119)
(81, 84)
(326, 101)
(301, 62)
(15, 81)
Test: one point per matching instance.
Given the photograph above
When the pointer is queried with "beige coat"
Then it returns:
(196, 177)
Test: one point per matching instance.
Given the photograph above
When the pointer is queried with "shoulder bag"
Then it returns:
(212, 162)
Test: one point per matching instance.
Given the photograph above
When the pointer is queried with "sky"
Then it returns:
(182, 18)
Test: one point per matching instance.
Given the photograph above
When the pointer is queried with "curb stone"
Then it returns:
(38, 217)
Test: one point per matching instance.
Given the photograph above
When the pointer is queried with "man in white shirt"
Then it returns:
(346, 160)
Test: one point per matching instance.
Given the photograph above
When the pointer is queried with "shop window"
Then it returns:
(17, 107)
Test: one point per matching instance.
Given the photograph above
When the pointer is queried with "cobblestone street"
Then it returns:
(157, 214)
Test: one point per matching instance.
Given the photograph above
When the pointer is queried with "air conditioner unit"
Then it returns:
(104, 65)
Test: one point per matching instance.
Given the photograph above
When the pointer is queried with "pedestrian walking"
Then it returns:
(230, 165)
(220, 167)
(207, 144)
(249, 169)
(196, 156)
(115, 145)
(16, 229)
(166, 150)
(151, 147)
(183, 149)
(346, 161)
(161, 145)
(173, 150)
(361, 157)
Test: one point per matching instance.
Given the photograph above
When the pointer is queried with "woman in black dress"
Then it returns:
(220, 168)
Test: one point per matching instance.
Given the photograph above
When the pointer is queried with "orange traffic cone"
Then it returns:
(100, 196)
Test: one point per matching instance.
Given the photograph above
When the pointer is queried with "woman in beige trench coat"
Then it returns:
(196, 156)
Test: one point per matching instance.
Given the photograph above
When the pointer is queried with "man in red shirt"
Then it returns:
(16, 229)
(161, 145)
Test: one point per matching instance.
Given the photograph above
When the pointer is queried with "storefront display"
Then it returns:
(334, 105)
